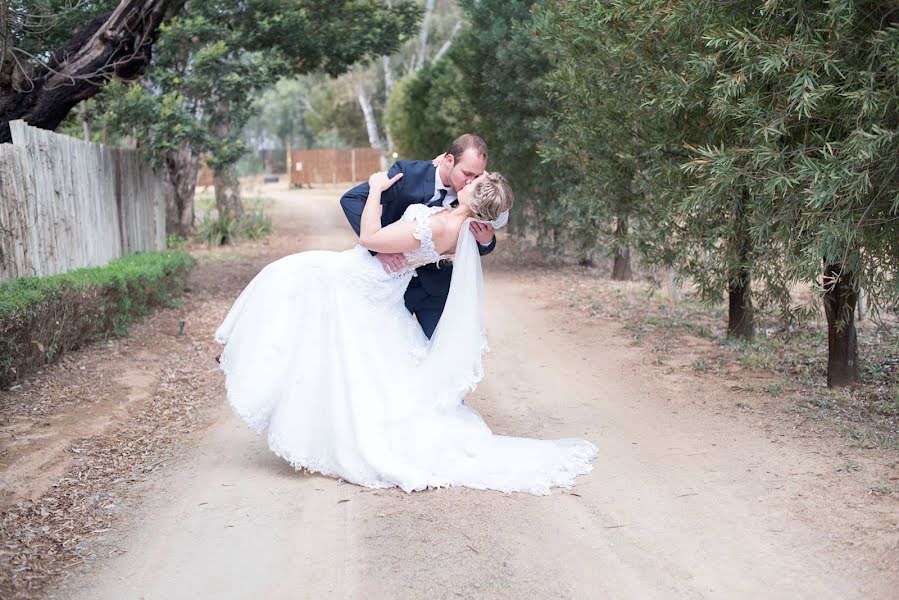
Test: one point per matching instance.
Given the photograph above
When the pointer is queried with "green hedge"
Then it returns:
(42, 317)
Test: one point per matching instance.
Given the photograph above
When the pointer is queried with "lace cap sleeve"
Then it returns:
(423, 231)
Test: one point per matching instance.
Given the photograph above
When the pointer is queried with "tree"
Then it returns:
(212, 63)
(787, 130)
(373, 83)
(490, 82)
(426, 112)
(816, 96)
(503, 81)
(42, 83)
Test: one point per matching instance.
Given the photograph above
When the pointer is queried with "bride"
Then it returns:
(322, 353)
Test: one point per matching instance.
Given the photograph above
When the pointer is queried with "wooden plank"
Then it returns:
(61, 207)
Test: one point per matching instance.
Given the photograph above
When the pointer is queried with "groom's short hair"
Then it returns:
(466, 141)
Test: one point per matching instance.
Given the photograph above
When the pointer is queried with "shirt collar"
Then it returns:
(438, 185)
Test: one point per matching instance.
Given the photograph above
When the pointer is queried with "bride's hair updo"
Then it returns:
(492, 197)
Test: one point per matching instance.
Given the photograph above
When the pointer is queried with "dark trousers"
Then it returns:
(426, 308)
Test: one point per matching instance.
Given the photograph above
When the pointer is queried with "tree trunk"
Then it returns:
(371, 124)
(861, 304)
(449, 42)
(388, 76)
(739, 313)
(621, 270)
(288, 161)
(7, 64)
(840, 298)
(85, 124)
(115, 44)
(740, 317)
(180, 183)
(673, 294)
(227, 193)
(423, 34)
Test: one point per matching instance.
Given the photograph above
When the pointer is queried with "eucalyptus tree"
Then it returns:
(213, 60)
(372, 83)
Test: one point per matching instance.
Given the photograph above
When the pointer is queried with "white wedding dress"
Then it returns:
(321, 352)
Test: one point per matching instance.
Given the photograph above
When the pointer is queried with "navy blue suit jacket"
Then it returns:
(415, 187)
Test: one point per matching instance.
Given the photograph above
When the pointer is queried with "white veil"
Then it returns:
(453, 366)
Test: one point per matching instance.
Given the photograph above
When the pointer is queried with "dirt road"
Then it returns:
(682, 503)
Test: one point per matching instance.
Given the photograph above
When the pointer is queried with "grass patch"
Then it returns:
(217, 230)
(43, 317)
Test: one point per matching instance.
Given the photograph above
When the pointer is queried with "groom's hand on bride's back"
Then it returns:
(392, 262)
(483, 232)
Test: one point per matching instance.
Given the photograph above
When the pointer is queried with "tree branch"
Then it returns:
(449, 41)
(118, 44)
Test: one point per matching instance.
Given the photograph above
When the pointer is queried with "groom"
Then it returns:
(423, 183)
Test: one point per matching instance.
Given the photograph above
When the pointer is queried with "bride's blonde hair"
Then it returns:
(492, 197)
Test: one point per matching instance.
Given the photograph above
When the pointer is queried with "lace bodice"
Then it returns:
(366, 274)
(421, 215)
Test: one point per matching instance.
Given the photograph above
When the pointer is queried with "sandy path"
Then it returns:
(681, 504)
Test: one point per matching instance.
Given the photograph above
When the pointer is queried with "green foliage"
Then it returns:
(425, 113)
(218, 230)
(37, 27)
(306, 112)
(210, 63)
(42, 317)
(491, 83)
(175, 242)
(503, 79)
(758, 138)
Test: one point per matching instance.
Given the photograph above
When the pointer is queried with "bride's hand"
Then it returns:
(379, 181)
(438, 159)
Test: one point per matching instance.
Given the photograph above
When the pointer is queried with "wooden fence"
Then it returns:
(334, 166)
(65, 204)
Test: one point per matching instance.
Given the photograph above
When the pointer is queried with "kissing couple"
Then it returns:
(357, 363)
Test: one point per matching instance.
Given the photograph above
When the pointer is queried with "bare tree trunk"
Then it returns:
(621, 270)
(861, 304)
(227, 193)
(227, 185)
(182, 167)
(842, 340)
(449, 42)
(113, 44)
(388, 76)
(85, 124)
(371, 124)
(423, 34)
(673, 294)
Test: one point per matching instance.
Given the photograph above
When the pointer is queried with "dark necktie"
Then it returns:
(438, 201)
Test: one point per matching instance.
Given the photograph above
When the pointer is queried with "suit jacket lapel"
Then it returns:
(427, 185)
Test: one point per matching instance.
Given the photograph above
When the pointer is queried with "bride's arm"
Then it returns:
(396, 237)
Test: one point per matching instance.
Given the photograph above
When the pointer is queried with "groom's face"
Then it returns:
(469, 166)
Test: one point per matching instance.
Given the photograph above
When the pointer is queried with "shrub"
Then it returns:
(42, 317)
(220, 231)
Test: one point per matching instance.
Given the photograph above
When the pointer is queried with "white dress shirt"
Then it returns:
(438, 185)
